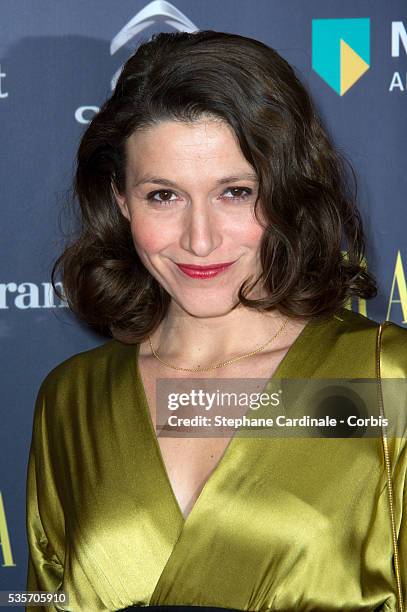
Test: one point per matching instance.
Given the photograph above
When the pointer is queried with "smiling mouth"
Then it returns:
(194, 271)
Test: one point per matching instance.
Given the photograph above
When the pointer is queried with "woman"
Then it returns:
(213, 212)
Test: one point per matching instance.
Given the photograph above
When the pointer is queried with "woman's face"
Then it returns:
(189, 198)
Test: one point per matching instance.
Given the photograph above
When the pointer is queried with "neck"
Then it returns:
(190, 341)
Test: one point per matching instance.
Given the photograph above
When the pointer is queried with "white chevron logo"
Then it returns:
(148, 16)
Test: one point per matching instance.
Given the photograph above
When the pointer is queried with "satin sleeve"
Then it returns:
(44, 515)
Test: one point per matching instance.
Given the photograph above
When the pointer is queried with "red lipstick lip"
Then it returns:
(205, 268)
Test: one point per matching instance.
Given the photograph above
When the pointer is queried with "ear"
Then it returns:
(121, 201)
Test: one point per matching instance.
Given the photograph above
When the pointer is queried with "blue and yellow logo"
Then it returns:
(340, 51)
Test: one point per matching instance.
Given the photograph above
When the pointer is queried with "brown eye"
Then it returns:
(164, 195)
(237, 193)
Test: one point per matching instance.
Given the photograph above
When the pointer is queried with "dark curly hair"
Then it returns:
(303, 184)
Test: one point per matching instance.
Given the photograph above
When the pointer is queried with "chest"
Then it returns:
(189, 461)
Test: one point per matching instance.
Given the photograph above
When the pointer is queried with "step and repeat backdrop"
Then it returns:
(58, 62)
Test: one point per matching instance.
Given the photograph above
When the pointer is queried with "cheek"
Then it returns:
(249, 233)
(147, 238)
(255, 234)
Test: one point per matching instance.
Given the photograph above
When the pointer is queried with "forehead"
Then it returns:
(206, 145)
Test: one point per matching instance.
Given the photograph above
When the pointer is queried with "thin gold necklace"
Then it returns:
(223, 363)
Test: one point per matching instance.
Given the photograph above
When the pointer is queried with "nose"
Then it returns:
(201, 231)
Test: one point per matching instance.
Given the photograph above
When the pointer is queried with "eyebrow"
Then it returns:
(226, 179)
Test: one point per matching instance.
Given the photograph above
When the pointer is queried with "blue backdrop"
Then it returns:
(57, 63)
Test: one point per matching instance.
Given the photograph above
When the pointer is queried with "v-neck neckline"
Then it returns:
(283, 367)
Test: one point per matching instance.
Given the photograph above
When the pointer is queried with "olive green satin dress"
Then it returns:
(281, 524)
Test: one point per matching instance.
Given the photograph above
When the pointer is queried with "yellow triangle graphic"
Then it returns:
(352, 67)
